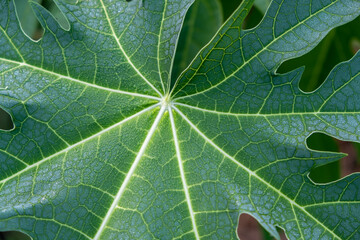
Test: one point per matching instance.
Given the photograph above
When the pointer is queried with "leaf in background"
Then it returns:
(202, 21)
(51, 6)
(328, 172)
(28, 21)
(262, 5)
(357, 146)
(101, 150)
(229, 7)
(13, 236)
(253, 19)
(5, 120)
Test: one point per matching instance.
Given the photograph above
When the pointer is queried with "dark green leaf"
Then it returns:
(105, 148)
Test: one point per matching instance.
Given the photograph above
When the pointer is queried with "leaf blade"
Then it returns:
(94, 156)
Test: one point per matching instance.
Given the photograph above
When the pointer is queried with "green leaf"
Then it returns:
(229, 7)
(328, 172)
(26, 17)
(336, 47)
(5, 120)
(262, 5)
(357, 147)
(105, 148)
(202, 21)
(14, 236)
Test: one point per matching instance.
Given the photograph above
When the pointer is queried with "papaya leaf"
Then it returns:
(104, 146)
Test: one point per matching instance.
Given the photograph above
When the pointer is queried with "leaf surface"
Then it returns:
(202, 21)
(104, 148)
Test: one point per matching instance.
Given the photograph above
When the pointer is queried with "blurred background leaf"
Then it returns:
(5, 120)
(228, 7)
(13, 236)
(262, 5)
(28, 21)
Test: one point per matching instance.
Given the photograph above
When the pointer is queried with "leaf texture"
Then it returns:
(195, 34)
(104, 147)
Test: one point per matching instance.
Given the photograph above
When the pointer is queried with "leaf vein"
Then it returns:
(123, 51)
(130, 173)
(251, 173)
(182, 174)
(78, 81)
(79, 143)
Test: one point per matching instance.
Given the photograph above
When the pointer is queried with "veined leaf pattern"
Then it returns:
(105, 147)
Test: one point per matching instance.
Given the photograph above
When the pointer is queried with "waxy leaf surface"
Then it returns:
(107, 145)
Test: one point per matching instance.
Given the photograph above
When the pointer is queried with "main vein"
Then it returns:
(130, 173)
(182, 174)
(251, 173)
(317, 113)
(159, 46)
(123, 51)
(79, 143)
(300, 23)
(77, 80)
